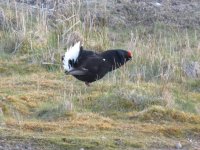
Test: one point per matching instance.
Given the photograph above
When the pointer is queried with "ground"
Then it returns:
(150, 103)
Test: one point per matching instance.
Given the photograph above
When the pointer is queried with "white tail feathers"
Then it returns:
(71, 56)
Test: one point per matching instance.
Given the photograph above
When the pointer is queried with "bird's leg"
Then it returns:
(87, 83)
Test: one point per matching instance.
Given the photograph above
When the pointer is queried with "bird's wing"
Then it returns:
(71, 57)
(93, 65)
(79, 71)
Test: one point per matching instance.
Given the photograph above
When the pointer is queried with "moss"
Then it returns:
(5, 109)
(183, 102)
(8, 68)
(109, 102)
(52, 111)
(36, 143)
(51, 67)
(2, 69)
(193, 85)
(172, 132)
(157, 114)
(127, 109)
(135, 145)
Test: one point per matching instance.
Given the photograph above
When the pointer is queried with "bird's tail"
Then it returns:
(71, 56)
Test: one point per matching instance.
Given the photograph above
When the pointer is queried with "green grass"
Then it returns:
(147, 102)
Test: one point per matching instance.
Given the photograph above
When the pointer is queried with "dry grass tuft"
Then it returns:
(143, 104)
(158, 113)
(171, 131)
(93, 121)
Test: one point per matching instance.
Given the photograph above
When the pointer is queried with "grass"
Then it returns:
(103, 115)
(148, 102)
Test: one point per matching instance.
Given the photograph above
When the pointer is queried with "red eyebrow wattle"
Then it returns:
(129, 53)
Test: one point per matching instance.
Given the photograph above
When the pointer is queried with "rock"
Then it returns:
(2, 19)
(192, 69)
(103, 138)
(178, 145)
(2, 122)
(68, 106)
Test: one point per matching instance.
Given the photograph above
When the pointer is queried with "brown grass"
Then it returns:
(147, 102)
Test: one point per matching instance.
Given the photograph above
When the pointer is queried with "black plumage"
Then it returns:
(90, 66)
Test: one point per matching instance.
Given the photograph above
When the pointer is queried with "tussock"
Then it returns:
(150, 103)
(162, 114)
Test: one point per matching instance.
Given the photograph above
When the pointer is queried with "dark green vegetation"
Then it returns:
(150, 103)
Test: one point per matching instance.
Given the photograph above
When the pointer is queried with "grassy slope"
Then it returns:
(40, 105)
(148, 104)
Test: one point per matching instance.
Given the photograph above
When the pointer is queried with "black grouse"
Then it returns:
(89, 66)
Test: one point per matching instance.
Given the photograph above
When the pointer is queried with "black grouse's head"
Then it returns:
(129, 55)
(125, 55)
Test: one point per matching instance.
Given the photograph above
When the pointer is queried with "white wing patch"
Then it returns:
(71, 56)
